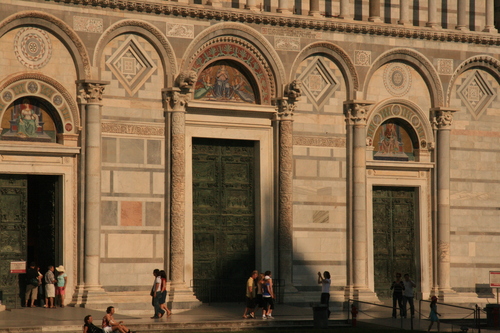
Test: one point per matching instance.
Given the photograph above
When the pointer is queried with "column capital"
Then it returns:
(442, 118)
(285, 106)
(90, 91)
(356, 111)
(176, 98)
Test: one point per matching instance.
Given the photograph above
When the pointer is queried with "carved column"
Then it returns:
(374, 11)
(251, 4)
(462, 15)
(432, 14)
(345, 12)
(91, 294)
(314, 8)
(404, 12)
(356, 117)
(490, 17)
(442, 120)
(283, 7)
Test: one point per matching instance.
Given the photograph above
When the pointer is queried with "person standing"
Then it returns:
(157, 295)
(325, 282)
(250, 296)
(408, 295)
(434, 314)
(268, 296)
(163, 301)
(62, 280)
(397, 288)
(50, 289)
(32, 283)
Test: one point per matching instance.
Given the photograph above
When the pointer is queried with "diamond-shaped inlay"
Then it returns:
(476, 93)
(131, 65)
(318, 82)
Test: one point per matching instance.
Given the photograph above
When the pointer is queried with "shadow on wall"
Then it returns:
(483, 290)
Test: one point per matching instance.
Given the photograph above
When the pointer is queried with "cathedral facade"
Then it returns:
(210, 138)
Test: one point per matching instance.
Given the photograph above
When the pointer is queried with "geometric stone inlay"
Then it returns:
(476, 93)
(362, 58)
(32, 47)
(397, 79)
(318, 82)
(445, 66)
(131, 65)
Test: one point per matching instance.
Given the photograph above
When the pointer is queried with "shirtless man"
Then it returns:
(109, 324)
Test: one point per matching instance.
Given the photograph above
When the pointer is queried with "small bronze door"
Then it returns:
(394, 244)
(13, 234)
(224, 212)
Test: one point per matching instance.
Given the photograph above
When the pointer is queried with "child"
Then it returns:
(434, 314)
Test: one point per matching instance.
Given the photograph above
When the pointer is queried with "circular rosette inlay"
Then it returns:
(397, 79)
(32, 47)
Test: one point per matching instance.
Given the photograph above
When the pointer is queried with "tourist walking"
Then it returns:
(163, 300)
(268, 296)
(259, 302)
(157, 295)
(434, 314)
(250, 296)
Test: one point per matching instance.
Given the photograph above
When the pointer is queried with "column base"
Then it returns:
(181, 297)
(283, 11)
(375, 19)
(461, 28)
(491, 30)
(364, 295)
(315, 14)
(404, 23)
(432, 25)
(447, 296)
(91, 297)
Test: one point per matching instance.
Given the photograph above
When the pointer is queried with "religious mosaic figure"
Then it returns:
(27, 120)
(223, 82)
(390, 140)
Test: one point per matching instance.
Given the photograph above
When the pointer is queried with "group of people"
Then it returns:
(109, 324)
(159, 294)
(259, 293)
(402, 295)
(50, 287)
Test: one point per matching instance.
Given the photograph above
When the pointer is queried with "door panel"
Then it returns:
(223, 209)
(394, 245)
(13, 234)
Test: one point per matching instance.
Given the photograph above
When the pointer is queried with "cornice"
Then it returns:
(329, 24)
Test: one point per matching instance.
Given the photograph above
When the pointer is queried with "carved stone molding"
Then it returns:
(442, 119)
(90, 92)
(274, 19)
(71, 36)
(132, 129)
(318, 141)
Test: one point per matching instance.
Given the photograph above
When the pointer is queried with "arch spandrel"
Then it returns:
(60, 30)
(32, 85)
(251, 45)
(418, 62)
(397, 109)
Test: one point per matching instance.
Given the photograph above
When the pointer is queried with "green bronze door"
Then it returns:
(223, 213)
(13, 234)
(394, 243)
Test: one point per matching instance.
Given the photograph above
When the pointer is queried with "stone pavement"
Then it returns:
(227, 316)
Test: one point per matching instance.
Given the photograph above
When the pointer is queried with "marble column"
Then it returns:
(490, 17)
(345, 10)
(283, 7)
(404, 12)
(432, 14)
(356, 117)
(374, 13)
(91, 294)
(442, 120)
(462, 15)
(314, 8)
(251, 4)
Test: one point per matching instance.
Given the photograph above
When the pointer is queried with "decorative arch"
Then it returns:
(337, 55)
(420, 63)
(482, 62)
(57, 27)
(405, 111)
(151, 34)
(245, 46)
(46, 89)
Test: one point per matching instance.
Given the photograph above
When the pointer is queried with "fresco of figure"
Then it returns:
(28, 120)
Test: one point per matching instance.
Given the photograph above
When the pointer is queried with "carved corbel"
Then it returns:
(177, 98)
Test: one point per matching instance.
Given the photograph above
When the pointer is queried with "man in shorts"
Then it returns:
(50, 289)
(250, 296)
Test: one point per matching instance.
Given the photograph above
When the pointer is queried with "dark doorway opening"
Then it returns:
(223, 218)
(30, 227)
(395, 236)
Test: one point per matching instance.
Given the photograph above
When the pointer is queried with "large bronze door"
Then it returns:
(394, 239)
(13, 233)
(223, 213)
